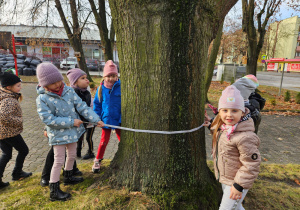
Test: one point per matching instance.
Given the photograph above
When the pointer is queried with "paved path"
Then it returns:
(280, 142)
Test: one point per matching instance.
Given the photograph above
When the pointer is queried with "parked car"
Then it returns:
(92, 64)
(69, 63)
(54, 61)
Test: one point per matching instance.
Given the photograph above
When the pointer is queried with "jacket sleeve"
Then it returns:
(250, 159)
(97, 104)
(84, 110)
(8, 109)
(49, 119)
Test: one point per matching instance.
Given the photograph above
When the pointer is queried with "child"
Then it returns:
(253, 101)
(11, 125)
(235, 148)
(79, 81)
(107, 104)
(57, 105)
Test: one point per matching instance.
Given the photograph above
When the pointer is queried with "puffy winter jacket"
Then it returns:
(58, 113)
(11, 121)
(237, 160)
(109, 106)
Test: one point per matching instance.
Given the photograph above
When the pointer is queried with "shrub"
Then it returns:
(232, 80)
(222, 79)
(287, 96)
(92, 85)
(273, 102)
(298, 98)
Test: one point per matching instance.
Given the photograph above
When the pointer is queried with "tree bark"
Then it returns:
(163, 50)
(212, 59)
(75, 36)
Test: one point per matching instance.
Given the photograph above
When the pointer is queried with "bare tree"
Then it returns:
(255, 37)
(107, 39)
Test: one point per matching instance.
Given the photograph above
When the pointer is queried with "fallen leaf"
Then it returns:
(265, 159)
(297, 181)
(96, 200)
(280, 139)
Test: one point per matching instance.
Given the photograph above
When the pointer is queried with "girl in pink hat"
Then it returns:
(107, 104)
(234, 148)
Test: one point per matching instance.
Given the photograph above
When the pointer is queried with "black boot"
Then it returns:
(3, 184)
(56, 194)
(70, 179)
(20, 175)
(44, 182)
(77, 172)
(88, 155)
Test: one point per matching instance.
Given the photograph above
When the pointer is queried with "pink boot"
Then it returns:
(96, 166)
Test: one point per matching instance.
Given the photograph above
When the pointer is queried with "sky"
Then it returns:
(22, 17)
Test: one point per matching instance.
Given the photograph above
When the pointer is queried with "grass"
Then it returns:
(267, 92)
(277, 187)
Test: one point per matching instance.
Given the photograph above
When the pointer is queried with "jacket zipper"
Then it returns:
(217, 155)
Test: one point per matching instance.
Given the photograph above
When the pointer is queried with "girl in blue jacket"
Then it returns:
(107, 104)
(57, 106)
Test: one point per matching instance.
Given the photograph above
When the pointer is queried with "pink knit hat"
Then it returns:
(74, 74)
(110, 68)
(252, 78)
(48, 74)
(231, 99)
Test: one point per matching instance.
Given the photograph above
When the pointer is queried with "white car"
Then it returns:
(69, 63)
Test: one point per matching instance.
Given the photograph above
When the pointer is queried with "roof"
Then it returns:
(50, 32)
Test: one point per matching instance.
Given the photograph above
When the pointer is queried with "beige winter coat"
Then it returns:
(11, 122)
(237, 160)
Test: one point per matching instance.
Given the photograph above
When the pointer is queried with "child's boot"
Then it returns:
(89, 154)
(56, 194)
(70, 179)
(96, 166)
(19, 175)
(3, 184)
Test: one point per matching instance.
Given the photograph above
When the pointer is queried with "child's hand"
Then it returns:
(206, 120)
(235, 194)
(45, 134)
(77, 122)
(100, 124)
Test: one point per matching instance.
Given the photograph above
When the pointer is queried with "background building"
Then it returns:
(52, 42)
(284, 39)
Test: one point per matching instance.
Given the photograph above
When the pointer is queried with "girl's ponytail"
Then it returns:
(216, 124)
(100, 90)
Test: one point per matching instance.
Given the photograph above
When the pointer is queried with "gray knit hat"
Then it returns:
(48, 74)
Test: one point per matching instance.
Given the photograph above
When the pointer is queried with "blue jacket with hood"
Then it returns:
(109, 106)
(58, 113)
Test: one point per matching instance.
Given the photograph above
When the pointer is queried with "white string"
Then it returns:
(150, 131)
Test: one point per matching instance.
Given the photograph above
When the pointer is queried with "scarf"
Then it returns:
(81, 89)
(231, 128)
(108, 85)
(59, 92)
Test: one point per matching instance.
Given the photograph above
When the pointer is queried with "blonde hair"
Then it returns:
(100, 90)
(216, 124)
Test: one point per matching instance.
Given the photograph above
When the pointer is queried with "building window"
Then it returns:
(47, 52)
(21, 49)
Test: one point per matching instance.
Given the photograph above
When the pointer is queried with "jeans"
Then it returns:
(229, 204)
(6, 146)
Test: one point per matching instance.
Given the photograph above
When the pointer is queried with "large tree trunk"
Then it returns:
(212, 59)
(163, 49)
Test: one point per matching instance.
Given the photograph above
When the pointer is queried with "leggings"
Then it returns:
(228, 203)
(59, 159)
(104, 141)
(6, 146)
(89, 138)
